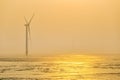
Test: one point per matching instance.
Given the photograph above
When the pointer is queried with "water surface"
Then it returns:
(77, 67)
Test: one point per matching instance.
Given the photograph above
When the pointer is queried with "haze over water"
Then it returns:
(58, 27)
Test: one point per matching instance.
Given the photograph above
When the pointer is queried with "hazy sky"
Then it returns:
(60, 26)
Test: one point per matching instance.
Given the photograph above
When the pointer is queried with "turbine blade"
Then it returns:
(31, 19)
(25, 19)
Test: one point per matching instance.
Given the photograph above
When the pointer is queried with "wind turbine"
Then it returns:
(28, 33)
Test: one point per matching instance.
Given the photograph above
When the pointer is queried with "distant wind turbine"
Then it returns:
(28, 33)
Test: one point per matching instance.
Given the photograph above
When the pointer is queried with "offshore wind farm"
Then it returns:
(66, 40)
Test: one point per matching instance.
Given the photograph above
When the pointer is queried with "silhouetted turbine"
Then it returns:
(28, 33)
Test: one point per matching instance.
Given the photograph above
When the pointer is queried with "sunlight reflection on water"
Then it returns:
(77, 68)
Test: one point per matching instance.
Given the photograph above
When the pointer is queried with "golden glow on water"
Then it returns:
(65, 67)
(76, 58)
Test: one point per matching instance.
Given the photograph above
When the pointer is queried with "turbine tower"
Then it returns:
(28, 35)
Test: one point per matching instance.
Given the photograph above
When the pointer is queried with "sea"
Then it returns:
(70, 67)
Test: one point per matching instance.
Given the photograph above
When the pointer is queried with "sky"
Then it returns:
(60, 26)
